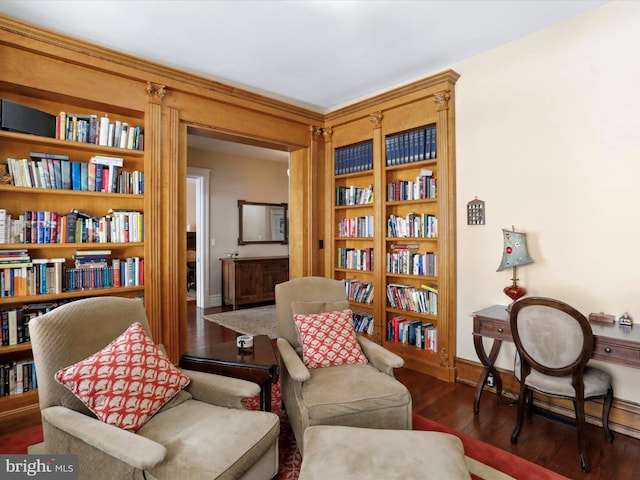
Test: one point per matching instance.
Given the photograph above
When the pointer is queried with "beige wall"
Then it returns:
(236, 178)
(548, 135)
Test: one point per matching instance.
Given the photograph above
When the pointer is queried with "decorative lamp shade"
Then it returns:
(514, 253)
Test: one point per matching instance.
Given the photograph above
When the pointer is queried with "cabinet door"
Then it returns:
(273, 272)
(247, 282)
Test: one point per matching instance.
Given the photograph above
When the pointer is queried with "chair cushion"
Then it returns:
(329, 339)
(126, 382)
(209, 441)
(596, 383)
(332, 395)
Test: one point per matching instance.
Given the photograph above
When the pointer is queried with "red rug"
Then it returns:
(290, 458)
(494, 457)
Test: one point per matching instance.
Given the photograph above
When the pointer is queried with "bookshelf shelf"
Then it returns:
(67, 193)
(33, 141)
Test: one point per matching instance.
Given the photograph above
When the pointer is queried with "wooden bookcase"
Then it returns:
(424, 108)
(16, 200)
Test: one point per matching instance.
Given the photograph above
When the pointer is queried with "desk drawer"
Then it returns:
(616, 351)
(488, 327)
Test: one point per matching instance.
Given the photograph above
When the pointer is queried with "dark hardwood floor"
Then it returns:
(544, 441)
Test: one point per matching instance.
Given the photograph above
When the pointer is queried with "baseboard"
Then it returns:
(624, 417)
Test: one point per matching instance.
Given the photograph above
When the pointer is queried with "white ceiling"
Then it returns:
(317, 54)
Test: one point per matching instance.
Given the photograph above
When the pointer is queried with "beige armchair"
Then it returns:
(202, 433)
(350, 395)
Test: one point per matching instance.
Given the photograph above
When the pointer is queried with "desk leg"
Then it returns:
(488, 362)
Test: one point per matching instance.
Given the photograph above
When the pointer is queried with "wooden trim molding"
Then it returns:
(624, 417)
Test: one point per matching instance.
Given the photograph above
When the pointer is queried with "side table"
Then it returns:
(259, 366)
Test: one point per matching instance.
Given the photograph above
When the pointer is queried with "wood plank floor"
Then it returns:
(546, 442)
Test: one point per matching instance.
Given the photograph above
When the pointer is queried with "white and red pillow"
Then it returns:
(126, 382)
(329, 339)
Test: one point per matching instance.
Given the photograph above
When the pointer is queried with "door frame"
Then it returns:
(202, 177)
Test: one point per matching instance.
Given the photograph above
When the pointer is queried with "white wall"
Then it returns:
(236, 178)
(548, 135)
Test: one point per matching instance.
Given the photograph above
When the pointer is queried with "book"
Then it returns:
(54, 156)
(103, 131)
(106, 160)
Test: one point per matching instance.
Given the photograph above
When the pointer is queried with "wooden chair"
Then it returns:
(554, 343)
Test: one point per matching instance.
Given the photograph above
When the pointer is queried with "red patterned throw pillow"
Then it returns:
(127, 382)
(329, 339)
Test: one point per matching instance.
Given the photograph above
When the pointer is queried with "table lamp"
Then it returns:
(514, 255)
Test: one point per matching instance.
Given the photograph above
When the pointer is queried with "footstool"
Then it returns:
(353, 453)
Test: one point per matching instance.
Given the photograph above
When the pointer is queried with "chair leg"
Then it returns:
(606, 408)
(522, 406)
(580, 424)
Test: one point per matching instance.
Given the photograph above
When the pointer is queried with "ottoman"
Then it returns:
(353, 453)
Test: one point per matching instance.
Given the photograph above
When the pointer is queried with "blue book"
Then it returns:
(99, 168)
(433, 142)
(84, 177)
(75, 176)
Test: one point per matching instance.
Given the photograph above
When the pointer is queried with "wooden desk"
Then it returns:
(259, 365)
(612, 343)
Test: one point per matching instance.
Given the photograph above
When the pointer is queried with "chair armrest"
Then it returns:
(135, 450)
(218, 389)
(380, 357)
(295, 366)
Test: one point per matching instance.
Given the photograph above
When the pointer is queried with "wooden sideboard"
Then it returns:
(252, 279)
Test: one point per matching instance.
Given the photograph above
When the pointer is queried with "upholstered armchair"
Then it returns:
(203, 432)
(357, 395)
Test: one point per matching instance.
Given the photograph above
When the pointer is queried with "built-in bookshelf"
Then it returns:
(72, 221)
(406, 225)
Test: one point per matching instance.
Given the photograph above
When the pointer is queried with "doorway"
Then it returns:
(237, 171)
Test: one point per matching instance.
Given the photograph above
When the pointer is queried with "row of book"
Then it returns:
(127, 272)
(356, 259)
(14, 323)
(413, 332)
(22, 276)
(409, 147)
(42, 226)
(354, 158)
(17, 377)
(359, 291)
(53, 171)
(424, 187)
(412, 263)
(88, 128)
(363, 323)
(412, 225)
(356, 227)
(414, 299)
(353, 195)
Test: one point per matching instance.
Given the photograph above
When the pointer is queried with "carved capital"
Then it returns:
(376, 119)
(327, 132)
(442, 98)
(155, 91)
(315, 131)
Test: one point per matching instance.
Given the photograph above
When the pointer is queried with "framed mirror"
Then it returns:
(262, 223)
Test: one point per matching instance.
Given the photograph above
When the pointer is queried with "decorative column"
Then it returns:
(446, 229)
(152, 207)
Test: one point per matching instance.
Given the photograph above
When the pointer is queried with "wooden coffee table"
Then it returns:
(259, 366)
